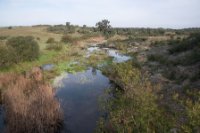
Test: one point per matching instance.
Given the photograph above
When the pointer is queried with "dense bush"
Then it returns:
(187, 44)
(7, 55)
(191, 58)
(18, 49)
(135, 108)
(10, 27)
(140, 31)
(159, 58)
(38, 38)
(50, 40)
(26, 48)
(54, 46)
(3, 37)
(63, 29)
(69, 39)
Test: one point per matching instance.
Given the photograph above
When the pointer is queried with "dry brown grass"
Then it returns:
(117, 38)
(91, 40)
(30, 105)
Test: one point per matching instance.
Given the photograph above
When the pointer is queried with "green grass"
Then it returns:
(45, 58)
(69, 67)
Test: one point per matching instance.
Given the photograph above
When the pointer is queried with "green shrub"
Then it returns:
(26, 48)
(135, 108)
(192, 58)
(69, 39)
(121, 46)
(3, 37)
(187, 44)
(7, 55)
(89, 35)
(50, 40)
(158, 58)
(192, 106)
(10, 27)
(54, 46)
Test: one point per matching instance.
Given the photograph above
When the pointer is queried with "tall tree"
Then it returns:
(104, 27)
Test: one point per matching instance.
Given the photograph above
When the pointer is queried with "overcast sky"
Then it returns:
(121, 13)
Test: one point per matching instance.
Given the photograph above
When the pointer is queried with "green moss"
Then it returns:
(69, 67)
(44, 58)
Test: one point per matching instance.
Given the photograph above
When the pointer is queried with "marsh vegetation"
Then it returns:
(99, 79)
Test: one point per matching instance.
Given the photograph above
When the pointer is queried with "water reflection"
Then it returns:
(2, 124)
(48, 67)
(94, 71)
(80, 99)
(117, 57)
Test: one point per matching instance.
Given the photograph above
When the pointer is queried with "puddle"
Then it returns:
(48, 67)
(117, 57)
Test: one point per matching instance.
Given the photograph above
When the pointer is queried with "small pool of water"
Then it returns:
(117, 57)
(92, 49)
(48, 67)
(79, 97)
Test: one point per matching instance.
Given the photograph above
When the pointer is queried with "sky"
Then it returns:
(121, 13)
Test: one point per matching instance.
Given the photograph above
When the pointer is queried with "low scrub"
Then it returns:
(191, 58)
(69, 39)
(121, 46)
(3, 37)
(8, 56)
(134, 109)
(190, 99)
(193, 113)
(50, 40)
(26, 48)
(18, 49)
(186, 44)
(54, 46)
(159, 58)
(30, 105)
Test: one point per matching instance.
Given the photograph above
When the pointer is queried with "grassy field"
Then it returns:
(39, 33)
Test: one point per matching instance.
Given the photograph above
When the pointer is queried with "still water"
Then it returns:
(79, 96)
(117, 57)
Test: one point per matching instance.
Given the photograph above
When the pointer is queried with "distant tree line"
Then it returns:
(107, 30)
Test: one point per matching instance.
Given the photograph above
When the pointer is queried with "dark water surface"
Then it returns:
(2, 125)
(79, 95)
